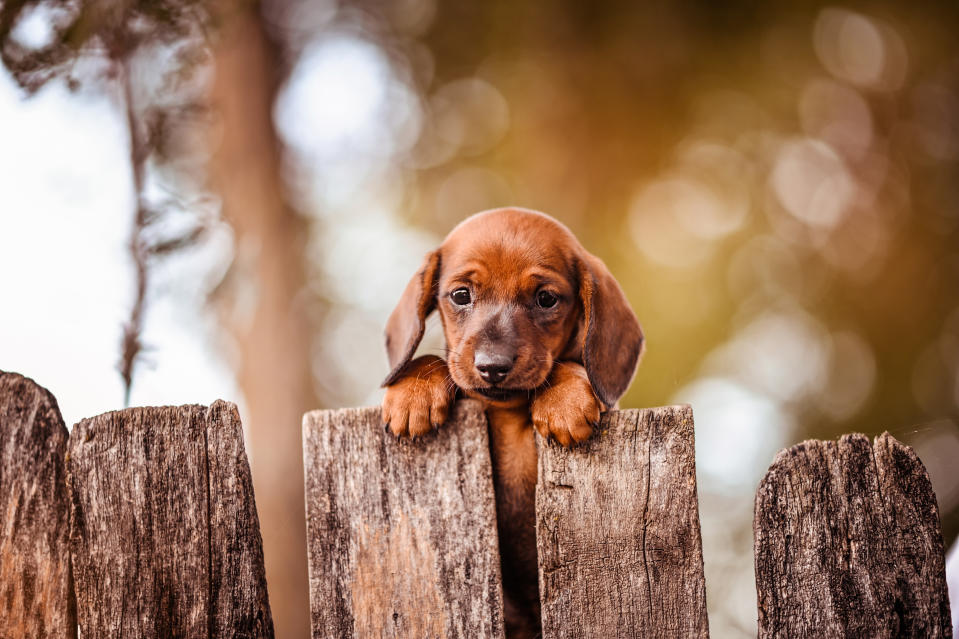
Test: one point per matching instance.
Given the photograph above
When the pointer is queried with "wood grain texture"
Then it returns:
(617, 528)
(848, 543)
(401, 534)
(164, 535)
(36, 599)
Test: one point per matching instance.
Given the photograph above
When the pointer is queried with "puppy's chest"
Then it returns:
(513, 451)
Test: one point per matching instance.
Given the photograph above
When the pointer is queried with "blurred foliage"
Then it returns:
(152, 56)
(147, 53)
(75, 29)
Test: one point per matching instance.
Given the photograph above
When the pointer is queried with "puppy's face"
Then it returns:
(516, 292)
(507, 296)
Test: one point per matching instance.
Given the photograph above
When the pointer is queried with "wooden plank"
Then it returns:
(617, 530)
(36, 597)
(401, 534)
(848, 543)
(165, 537)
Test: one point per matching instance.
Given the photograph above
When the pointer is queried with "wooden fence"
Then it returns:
(141, 523)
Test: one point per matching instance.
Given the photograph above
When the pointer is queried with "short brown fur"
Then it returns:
(566, 362)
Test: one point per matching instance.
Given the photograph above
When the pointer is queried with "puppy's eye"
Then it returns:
(460, 296)
(545, 299)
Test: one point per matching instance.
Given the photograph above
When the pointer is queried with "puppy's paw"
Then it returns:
(420, 399)
(566, 409)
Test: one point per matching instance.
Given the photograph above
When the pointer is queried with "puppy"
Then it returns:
(539, 331)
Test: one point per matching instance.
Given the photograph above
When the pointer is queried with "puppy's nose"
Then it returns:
(493, 367)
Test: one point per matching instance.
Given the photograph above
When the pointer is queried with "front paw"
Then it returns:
(420, 399)
(566, 409)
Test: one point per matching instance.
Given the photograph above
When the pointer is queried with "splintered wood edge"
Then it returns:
(36, 581)
(334, 605)
(221, 423)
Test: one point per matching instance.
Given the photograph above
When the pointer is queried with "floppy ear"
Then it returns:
(406, 325)
(613, 340)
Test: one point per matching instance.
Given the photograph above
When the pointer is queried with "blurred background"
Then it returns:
(225, 199)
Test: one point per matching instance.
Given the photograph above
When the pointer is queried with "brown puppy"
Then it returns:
(536, 328)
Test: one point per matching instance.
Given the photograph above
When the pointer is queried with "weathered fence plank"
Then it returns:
(848, 543)
(165, 537)
(155, 507)
(401, 534)
(36, 600)
(617, 527)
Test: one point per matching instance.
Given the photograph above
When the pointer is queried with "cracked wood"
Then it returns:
(36, 600)
(165, 537)
(848, 543)
(617, 528)
(401, 534)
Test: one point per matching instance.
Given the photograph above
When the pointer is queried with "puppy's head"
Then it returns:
(516, 292)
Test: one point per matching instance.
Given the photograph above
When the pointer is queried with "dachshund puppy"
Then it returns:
(538, 330)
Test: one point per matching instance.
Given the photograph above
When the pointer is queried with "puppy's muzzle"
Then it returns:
(494, 364)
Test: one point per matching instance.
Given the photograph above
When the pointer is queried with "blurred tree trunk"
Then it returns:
(261, 306)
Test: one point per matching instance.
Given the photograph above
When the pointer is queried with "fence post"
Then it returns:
(165, 538)
(848, 543)
(401, 534)
(617, 527)
(36, 598)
